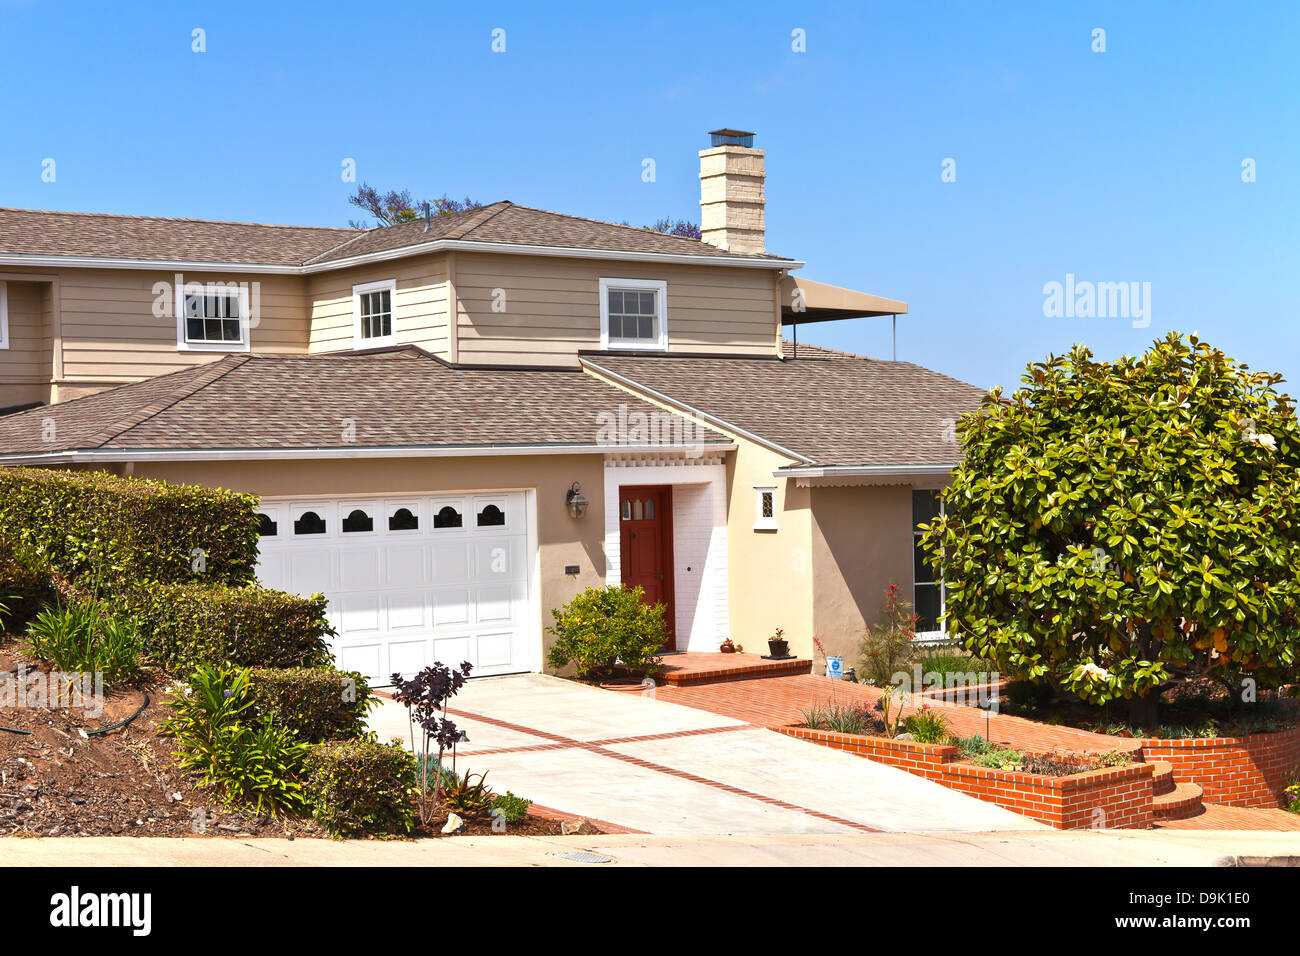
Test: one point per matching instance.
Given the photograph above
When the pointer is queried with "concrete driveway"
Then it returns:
(644, 765)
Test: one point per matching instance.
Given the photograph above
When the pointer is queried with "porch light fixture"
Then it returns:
(575, 501)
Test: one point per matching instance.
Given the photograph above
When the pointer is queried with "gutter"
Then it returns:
(401, 252)
(115, 455)
(863, 471)
(713, 420)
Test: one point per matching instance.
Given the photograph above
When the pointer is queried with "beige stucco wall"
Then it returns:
(861, 543)
(562, 540)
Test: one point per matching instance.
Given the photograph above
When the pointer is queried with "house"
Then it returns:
(457, 423)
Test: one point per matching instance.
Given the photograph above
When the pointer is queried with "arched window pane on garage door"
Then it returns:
(490, 516)
(358, 520)
(265, 526)
(403, 520)
(447, 517)
(309, 523)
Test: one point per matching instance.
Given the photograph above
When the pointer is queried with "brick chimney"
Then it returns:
(731, 192)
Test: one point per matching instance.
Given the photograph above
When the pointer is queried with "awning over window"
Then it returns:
(803, 300)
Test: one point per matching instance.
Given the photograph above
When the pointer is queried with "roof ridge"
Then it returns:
(486, 213)
(205, 376)
(214, 222)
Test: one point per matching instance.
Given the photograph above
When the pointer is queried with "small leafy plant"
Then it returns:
(249, 764)
(926, 726)
(888, 646)
(841, 718)
(512, 809)
(83, 636)
(425, 698)
(467, 796)
(1293, 797)
(603, 628)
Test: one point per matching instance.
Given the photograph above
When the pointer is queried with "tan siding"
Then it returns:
(110, 330)
(28, 360)
(420, 306)
(552, 307)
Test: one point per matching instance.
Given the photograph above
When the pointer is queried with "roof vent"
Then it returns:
(731, 137)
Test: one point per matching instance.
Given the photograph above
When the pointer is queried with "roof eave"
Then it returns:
(401, 252)
(119, 455)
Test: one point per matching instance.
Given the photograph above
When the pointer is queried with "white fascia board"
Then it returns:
(438, 245)
(90, 455)
(861, 471)
(636, 386)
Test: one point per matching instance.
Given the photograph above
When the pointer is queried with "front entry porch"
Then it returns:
(666, 531)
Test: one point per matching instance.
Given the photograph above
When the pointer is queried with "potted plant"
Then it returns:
(777, 645)
(727, 647)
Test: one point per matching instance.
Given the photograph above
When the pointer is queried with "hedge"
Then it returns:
(361, 788)
(316, 703)
(188, 624)
(97, 529)
(25, 588)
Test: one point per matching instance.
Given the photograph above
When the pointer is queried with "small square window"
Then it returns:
(213, 316)
(633, 314)
(765, 508)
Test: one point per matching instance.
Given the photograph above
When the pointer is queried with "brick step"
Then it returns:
(1183, 802)
(1162, 777)
(745, 667)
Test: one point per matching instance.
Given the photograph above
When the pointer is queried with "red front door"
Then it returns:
(646, 546)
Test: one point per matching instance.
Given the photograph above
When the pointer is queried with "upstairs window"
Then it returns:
(212, 317)
(634, 314)
(764, 507)
(372, 314)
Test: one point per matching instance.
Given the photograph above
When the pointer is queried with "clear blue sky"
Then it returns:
(1115, 166)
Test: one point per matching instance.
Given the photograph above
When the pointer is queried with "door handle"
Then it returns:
(659, 575)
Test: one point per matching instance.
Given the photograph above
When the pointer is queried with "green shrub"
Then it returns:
(604, 627)
(360, 787)
(315, 703)
(926, 726)
(25, 588)
(842, 719)
(84, 636)
(100, 529)
(186, 625)
(999, 758)
(973, 746)
(1026, 695)
(248, 763)
(512, 809)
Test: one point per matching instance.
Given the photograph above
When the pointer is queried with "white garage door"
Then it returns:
(411, 581)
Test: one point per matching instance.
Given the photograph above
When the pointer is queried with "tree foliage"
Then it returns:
(394, 207)
(1117, 525)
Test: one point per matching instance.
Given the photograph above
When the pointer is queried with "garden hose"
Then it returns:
(89, 733)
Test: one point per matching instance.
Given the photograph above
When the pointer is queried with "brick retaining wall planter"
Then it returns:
(1247, 771)
(1118, 797)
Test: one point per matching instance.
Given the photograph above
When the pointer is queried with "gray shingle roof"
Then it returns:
(396, 398)
(41, 233)
(833, 408)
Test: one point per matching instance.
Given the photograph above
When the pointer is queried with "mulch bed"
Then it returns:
(57, 781)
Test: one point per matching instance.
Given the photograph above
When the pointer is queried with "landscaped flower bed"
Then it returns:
(1112, 797)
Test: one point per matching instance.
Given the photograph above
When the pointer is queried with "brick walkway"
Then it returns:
(1219, 817)
(776, 701)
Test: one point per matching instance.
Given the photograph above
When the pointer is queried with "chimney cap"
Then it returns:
(732, 137)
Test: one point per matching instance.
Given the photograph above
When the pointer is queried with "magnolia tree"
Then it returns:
(1119, 526)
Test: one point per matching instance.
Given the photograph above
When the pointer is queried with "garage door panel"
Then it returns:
(310, 572)
(359, 567)
(405, 564)
(404, 597)
(360, 614)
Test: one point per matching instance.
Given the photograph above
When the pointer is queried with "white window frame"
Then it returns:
(940, 635)
(379, 341)
(240, 290)
(4, 315)
(761, 523)
(660, 288)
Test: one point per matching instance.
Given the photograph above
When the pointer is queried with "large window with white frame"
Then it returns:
(4, 316)
(634, 314)
(927, 587)
(212, 317)
(373, 322)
